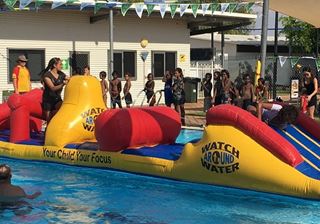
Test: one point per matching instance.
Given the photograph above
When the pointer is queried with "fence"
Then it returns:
(288, 68)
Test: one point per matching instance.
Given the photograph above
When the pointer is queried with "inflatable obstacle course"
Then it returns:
(236, 149)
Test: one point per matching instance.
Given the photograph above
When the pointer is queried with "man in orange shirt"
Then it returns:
(21, 76)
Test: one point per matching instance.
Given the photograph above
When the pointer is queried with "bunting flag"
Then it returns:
(24, 3)
(282, 60)
(294, 61)
(98, 6)
(183, 8)
(39, 3)
(195, 8)
(214, 7)
(124, 8)
(233, 7)
(70, 2)
(249, 6)
(10, 3)
(224, 7)
(163, 8)
(139, 9)
(86, 3)
(205, 8)
(150, 8)
(57, 3)
(173, 9)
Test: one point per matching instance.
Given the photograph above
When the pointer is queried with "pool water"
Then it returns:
(84, 195)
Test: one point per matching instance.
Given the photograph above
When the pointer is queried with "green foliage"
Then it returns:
(301, 35)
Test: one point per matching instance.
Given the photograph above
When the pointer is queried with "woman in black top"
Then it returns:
(217, 89)
(179, 97)
(310, 82)
(53, 80)
(206, 86)
(149, 89)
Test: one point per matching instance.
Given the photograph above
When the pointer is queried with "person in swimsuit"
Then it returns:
(10, 193)
(126, 90)
(227, 87)
(149, 89)
(86, 70)
(179, 94)
(310, 82)
(247, 92)
(53, 80)
(104, 85)
(115, 90)
(168, 97)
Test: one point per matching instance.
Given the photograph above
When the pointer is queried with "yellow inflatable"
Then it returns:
(226, 155)
(74, 122)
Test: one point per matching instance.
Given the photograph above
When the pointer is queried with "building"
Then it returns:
(81, 38)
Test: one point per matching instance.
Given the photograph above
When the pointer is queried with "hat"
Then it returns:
(22, 58)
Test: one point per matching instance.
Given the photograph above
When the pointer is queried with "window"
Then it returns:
(35, 64)
(123, 62)
(78, 60)
(162, 62)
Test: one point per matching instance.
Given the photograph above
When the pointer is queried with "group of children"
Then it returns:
(250, 98)
(226, 92)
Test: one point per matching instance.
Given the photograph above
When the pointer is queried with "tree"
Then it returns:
(301, 35)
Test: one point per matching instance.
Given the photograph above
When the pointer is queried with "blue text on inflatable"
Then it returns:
(89, 117)
(220, 157)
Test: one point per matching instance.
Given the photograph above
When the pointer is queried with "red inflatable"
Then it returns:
(25, 113)
(258, 130)
(120, 129)
(309, 125)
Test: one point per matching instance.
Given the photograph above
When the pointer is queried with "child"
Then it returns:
(115, 90)
(149, 89)
(275, 115)
(304, 101)
(168, 96)
(206, 86)
(262, 93)
(247, 92)
(104, 85)
(86, 70)
(126, 90)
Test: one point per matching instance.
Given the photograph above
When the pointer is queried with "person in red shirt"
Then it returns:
(21, 76)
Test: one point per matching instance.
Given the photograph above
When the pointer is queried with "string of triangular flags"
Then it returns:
(173, 8)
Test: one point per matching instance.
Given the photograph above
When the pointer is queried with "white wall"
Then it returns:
(59, 32)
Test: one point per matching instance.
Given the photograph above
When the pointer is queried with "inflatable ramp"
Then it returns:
(308, 146)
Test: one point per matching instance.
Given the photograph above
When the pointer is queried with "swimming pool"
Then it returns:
(83, 195)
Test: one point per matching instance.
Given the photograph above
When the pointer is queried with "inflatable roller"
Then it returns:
(136, 127)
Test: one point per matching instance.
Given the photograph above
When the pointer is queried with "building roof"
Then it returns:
(240, 39)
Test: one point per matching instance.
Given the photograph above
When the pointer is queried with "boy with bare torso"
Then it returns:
(247, 92)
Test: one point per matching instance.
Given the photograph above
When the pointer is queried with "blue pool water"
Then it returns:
(83, 195)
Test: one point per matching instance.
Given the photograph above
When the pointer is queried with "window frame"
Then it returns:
(77, 52)
(164, 53)
(21, 49)
(134, 78)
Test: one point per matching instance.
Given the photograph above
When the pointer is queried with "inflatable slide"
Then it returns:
(235, 149)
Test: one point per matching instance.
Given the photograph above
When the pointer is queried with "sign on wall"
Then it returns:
(294, 93)
(182, 58)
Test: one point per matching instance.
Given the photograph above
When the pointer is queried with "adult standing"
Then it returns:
(21, 76)
(310, 82)
(179, 94)
(218, 93)
(53, 81)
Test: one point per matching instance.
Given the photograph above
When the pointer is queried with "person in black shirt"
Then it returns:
(206, 86)
(53, 80)
(149, 89)
(218, 89)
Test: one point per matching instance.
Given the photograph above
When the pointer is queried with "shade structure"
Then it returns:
(305, 10)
